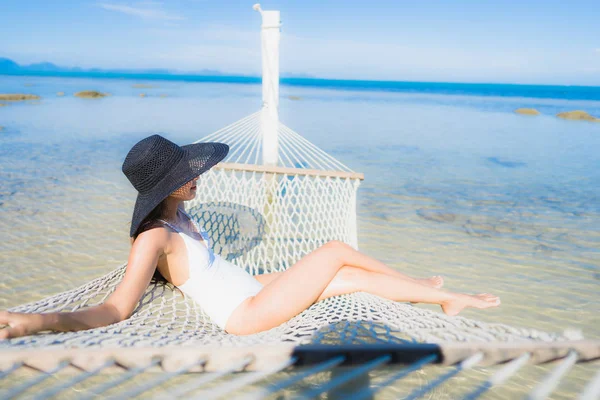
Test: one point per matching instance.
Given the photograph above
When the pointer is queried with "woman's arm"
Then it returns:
(143, 258)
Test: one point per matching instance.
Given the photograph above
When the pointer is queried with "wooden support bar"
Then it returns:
(267, 355)
(289, 171)
(541, 352)
(172, 357)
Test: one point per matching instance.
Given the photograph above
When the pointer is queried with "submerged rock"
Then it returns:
(162, 95)
(1, 128)
(2, 104)
(506, 163)
(18, 97)
(577, 115)
(142, 86)
(436, 215)
(90, 94)
(60, 93)
(545, 249)
(294, 97)
(527, 111)
(142, 94)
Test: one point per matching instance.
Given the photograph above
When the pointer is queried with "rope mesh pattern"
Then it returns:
(265, 222)
(247, 237)
(283, 217)
(164, 317)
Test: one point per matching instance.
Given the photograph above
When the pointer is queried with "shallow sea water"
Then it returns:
(455, 185)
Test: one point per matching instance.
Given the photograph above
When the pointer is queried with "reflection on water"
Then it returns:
(458, 186)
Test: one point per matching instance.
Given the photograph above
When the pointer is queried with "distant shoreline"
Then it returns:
(591, 93)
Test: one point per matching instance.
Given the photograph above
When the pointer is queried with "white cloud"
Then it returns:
(145, 10)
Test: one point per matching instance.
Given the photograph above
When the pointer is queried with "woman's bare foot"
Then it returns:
(456, 305)
(435, 281)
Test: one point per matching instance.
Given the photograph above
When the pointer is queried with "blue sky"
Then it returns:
(554, 42)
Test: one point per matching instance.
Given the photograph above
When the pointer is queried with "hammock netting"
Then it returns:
(264, 220)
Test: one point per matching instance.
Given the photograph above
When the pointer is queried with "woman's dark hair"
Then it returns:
(148, 223)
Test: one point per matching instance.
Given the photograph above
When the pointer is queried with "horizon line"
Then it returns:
(225, 77)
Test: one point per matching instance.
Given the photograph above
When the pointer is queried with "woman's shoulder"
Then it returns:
(154, 239)
(154, 231)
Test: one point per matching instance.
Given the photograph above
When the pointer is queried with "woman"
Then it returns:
(168, 246)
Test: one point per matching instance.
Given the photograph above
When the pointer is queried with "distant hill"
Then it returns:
(44, 66)
(8, 66)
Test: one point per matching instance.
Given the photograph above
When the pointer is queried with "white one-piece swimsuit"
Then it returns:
(217, 285)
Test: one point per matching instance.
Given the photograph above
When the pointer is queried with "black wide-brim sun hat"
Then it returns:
(157, 167)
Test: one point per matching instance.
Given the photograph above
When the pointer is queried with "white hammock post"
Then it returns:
(269, 117)
(270, 29)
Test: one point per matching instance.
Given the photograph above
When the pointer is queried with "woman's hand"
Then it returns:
(21, 324)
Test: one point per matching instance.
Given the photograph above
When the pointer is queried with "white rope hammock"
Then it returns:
(264, 220)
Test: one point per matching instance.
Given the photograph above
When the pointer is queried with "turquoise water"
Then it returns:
(455, 183)
(472, 89)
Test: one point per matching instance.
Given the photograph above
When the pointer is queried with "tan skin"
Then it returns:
(333, 269)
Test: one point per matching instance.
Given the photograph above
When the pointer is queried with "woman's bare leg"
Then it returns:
(305, 282)
(369, 263)
(352, 279)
